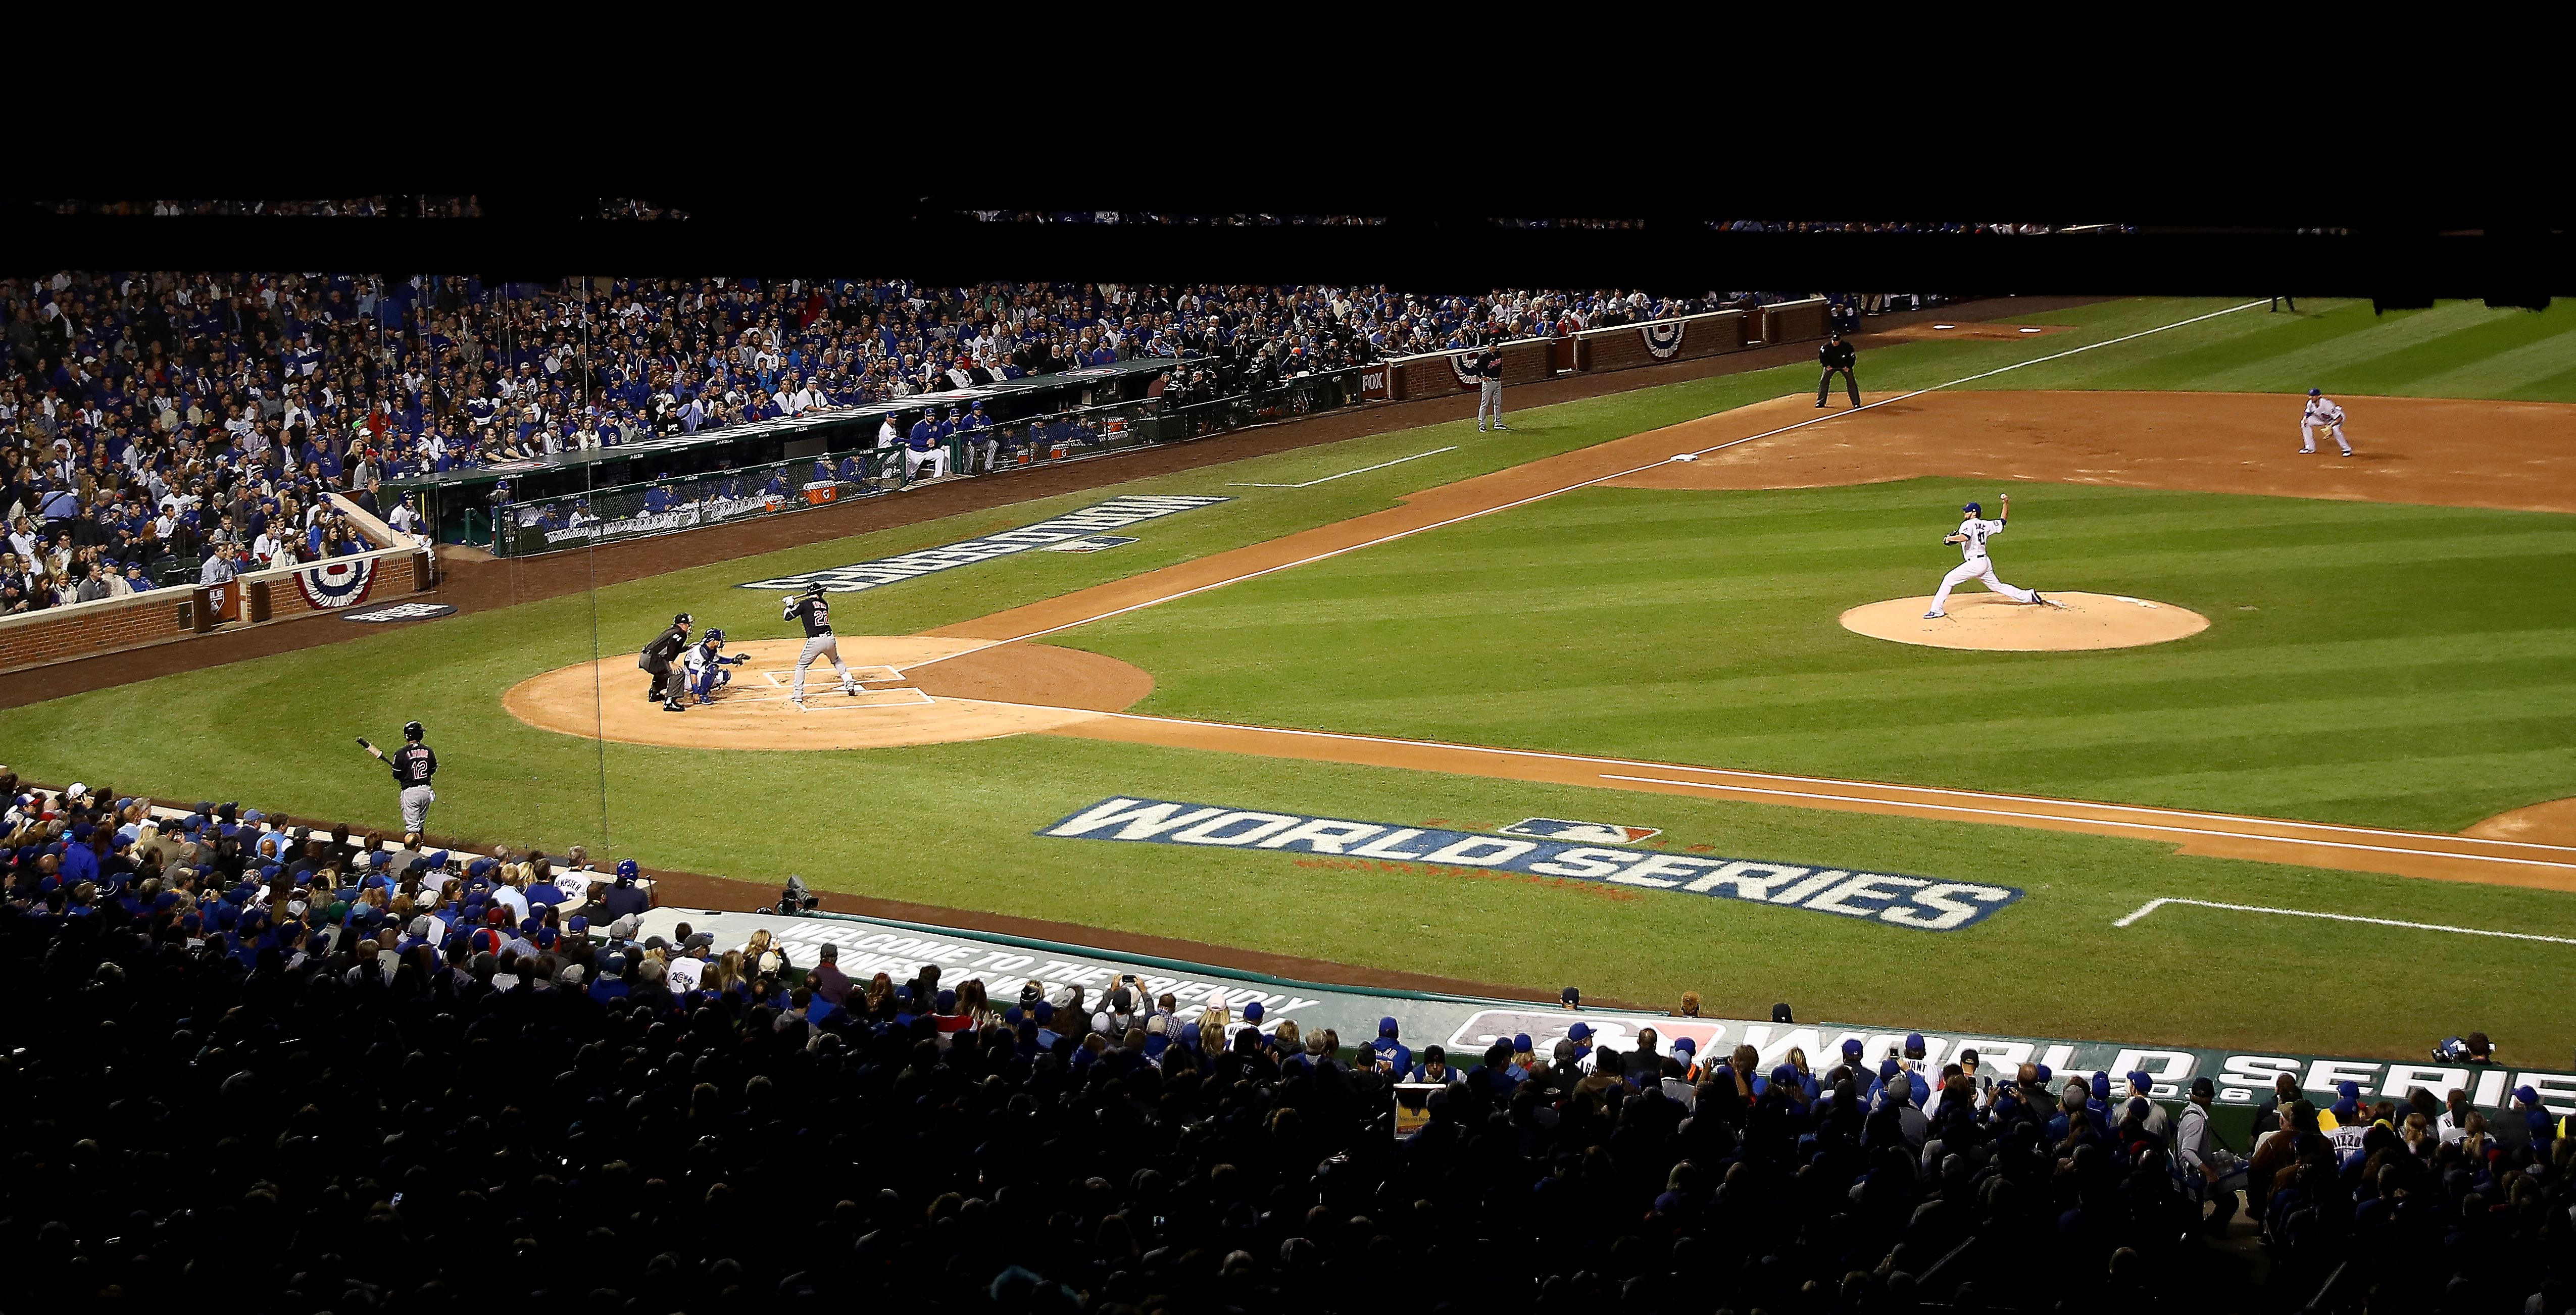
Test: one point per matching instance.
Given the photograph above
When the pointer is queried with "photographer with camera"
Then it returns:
(798, 898)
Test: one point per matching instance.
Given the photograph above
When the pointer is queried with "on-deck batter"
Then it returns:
(816, 614)
(1971, 537)
(2321, 413)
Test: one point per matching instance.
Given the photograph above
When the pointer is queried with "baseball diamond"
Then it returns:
(2174, 817)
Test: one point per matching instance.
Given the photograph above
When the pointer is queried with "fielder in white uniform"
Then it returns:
(1971, 537)
(2321, 413)
(816, 615)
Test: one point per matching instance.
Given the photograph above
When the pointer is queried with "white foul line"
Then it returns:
(2152, 905)
(2100, 821)
(1348, 473)
(1585, 484)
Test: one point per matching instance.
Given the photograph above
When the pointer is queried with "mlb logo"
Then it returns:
(1586, 833)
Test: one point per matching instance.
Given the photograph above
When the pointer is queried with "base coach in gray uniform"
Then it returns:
(1488, 367)
(413, 765)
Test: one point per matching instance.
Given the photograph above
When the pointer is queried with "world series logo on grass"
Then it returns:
(1891, 898)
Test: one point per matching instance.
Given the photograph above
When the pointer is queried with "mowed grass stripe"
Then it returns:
(1699, 627)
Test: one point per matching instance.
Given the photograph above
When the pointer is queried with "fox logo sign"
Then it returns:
(1587, 833)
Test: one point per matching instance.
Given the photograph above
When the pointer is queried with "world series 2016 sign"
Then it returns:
(1883, 897)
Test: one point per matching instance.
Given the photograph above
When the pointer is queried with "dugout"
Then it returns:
(459, 505)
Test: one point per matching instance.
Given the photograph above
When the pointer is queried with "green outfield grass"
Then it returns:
(2402, 665)
(2370, 664)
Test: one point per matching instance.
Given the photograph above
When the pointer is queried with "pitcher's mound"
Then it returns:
(978, 691)
(1997, 624)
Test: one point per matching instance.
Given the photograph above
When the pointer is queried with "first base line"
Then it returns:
(2154, 904)
(1348, 473)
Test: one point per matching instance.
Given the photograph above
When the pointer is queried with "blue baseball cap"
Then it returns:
(1252, 1012)
(1851, 1047)
(1914, 1040)
(1386, 1026)
(1579, 1032)
(1520, 1042)
(2316, 392)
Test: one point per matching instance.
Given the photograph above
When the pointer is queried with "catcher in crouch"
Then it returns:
(706, 664)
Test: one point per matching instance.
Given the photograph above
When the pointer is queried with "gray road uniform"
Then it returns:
(814, 611)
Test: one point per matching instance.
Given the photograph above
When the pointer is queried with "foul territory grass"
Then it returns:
(2424, 693)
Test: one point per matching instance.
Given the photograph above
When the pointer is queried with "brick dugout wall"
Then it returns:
(1437, 374)
(1627, 346)
(164, 615)
(1790, 321)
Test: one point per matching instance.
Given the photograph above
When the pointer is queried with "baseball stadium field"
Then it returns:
(2315, 689)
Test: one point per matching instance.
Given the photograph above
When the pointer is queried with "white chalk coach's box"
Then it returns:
(1892, 899)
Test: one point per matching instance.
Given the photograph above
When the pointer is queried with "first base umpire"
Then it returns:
(413, 765)
(1836, 357)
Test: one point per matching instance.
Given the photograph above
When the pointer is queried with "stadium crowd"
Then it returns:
(253, 1064)
(161, 427)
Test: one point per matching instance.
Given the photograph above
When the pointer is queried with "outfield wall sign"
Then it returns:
(1893, 899)
(1087, 523)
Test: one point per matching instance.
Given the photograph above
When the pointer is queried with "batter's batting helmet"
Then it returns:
(412, 730)
(813, 586)
(1974, 509)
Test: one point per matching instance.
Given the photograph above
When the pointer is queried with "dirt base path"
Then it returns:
(1991, 623)
(2513, 456)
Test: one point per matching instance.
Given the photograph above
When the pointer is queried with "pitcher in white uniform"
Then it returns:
(1971, 537)
(2321, 413)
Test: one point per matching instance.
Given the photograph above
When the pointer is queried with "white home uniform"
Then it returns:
(706, 667)
(2321, 413)
(1974, 533)
(816, 616)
